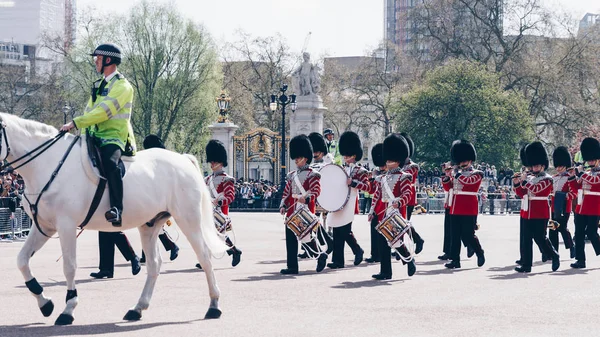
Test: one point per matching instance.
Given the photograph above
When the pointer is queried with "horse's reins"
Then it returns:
(7, 168)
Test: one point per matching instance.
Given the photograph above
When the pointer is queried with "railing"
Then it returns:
(14, 225)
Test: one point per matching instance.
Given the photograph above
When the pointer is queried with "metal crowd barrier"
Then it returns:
(488, 206)
(14, 225)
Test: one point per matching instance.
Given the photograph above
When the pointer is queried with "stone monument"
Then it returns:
(224, 130)
(306, 83)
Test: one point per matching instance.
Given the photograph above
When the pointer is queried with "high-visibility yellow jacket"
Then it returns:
(108, 117)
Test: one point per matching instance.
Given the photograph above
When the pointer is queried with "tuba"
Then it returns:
(553, 225)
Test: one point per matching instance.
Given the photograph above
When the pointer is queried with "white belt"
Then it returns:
(581, 193)
(526, 199)
(591, 193)
(538, 198)
(465, 193)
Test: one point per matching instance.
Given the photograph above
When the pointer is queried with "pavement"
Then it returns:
(257, 301)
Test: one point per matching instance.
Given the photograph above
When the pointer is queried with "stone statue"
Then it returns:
(306, 78)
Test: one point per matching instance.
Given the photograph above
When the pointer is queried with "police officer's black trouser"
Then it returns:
(106, 243)
(111, 154)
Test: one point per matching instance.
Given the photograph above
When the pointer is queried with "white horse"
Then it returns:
(157, 181)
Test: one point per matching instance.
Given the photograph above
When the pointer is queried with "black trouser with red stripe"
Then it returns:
(341, 235)
(463, 229)
(447, 232)
(563, 230)
(535, 230)
(106, 243)
(586, 225)
(375, 252)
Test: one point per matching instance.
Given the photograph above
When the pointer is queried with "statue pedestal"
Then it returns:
(224, 132)
(308, 116)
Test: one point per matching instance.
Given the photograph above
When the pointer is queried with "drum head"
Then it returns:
(334, 188)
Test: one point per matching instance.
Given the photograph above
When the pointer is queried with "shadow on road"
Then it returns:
(274, 276)
(40, 329)
(54, 283)
(366, 284)
(443, 270)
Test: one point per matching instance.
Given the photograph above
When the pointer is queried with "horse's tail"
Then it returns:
(207, 226)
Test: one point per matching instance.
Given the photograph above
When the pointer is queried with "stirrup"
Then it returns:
(113, 215)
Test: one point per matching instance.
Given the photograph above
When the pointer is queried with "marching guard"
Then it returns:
(222, 191)
(412, 168)
(302, 188)
(535, 192)
(586, 186)
(394, 192)
(463, 202)
(350, 148)
(525, 169)
(377, 210)
(561, 199)
(447, 218)
(321, 157)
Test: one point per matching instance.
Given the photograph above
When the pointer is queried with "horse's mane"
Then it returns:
(32, 127)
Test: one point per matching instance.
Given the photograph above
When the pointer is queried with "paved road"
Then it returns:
(257, 301)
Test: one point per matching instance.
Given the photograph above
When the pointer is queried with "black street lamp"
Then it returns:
(65, 110)
(282, 101)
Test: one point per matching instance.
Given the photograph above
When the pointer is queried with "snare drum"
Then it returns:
(222, 221)
(302, 222)
(393, 227)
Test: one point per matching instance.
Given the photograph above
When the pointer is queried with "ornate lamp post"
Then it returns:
(223, 105)
(65, 110)
(282, 101)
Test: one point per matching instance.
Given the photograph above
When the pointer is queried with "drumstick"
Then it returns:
(60, 257)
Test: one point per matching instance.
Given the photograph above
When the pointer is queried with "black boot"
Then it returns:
(578, 264)
(480, 259)
(453, 264)
(113, 215)
(358, 258)
(555, 262)
(470, 252)
(444, 257)
(198, 266)
(572, 251)
(237, 255)
(412, 267)
(135, 265)
(523, 269)
(321, 262)
(381, 276)
(174, 253)
(289, 271)
(143, 259)
(102, 274)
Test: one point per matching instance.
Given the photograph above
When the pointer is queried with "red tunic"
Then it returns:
(360, 181)
(465, 186)
(537, 189)
(561, 184)
(311, 182)
(412, 168)
(224, 185)
(587, 190)
(401, 190)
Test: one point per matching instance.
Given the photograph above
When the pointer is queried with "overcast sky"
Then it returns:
(339, 27)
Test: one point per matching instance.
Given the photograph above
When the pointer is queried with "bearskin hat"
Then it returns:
(318, 142)
(409, 141)
(153, 141)
(561, 157)
(536, 154)
(377, 155)
(462, 150)
(590, 149)
(216, 152)
(522, 156)
(300, 146)
(350, 145)
(395, 148)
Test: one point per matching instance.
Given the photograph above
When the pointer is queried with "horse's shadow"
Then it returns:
(431, 263)
(272, 262)
(275, 276)
(40, 329)
(49, 284)
(366, 284)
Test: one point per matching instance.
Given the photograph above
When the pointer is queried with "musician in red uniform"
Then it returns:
(463, 201)
(413, 168)
(351, 149)
(586, 186)
(561, 199)
(536, 190)
(222, 188)
(377, 210)
(520, 193)
(394, 193)
(447, 167)
(302, 188)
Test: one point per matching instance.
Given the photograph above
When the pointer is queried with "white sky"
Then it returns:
(339, 27)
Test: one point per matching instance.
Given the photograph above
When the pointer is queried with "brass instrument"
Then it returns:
(419, 209)
(553, 225)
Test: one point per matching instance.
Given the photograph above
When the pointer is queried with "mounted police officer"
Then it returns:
(107, 117)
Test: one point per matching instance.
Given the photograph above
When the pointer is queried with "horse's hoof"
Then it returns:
(47, 309)
(132, 315)
(212, 313)
(64, 319)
